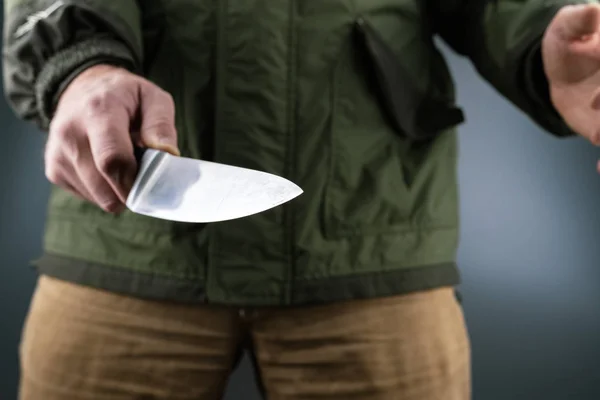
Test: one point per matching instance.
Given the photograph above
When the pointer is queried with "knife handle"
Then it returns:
(138, 153)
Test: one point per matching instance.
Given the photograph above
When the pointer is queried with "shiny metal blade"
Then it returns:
(188, 190)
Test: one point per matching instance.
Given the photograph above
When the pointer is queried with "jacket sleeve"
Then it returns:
(502, 38)
(46, 43)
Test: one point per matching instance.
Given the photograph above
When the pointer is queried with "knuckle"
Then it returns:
(565, 11)
(159, 95)
(99, 102)
(168, 99)
(96, 104)
(169, 106)
(54, 171)
(66, 136)
(121, 80)
(54, 164)
(62, 128)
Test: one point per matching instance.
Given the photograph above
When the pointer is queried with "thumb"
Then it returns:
(574, 23)
(157, 109)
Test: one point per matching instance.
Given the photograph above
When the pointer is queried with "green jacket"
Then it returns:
(350, 99)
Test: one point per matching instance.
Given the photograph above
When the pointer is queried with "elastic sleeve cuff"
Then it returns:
(65, 65)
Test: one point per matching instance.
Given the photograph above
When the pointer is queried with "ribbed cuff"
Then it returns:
(65, 65)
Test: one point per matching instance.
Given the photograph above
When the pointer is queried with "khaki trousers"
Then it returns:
(84, 343)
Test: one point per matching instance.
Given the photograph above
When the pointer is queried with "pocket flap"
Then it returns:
(413, 112)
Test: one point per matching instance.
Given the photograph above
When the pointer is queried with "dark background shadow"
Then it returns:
(529, 251)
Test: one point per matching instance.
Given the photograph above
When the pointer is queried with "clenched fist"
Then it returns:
(90, 144)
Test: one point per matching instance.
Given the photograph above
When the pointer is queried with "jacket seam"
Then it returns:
(220, 79)
(290, 159)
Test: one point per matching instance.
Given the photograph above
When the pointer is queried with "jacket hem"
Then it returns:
(304, 292)
(122, 281)
(376, 284)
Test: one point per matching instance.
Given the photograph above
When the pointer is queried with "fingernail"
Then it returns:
(172, 149)
(165, 146)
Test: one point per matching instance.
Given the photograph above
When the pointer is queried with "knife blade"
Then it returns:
(188, 190)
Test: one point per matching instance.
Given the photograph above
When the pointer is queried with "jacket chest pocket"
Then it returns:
(386, 135)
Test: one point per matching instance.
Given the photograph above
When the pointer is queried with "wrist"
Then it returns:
(60, 70)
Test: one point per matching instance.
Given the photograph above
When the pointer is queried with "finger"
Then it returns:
(58, 163)
(60, 174)
(157, 128)
(112, 151)
(100, 190)
(74, 185)
(579, 21)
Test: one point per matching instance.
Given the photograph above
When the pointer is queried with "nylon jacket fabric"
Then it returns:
(350, 99)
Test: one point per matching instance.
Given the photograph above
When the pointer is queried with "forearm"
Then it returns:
(46, 43)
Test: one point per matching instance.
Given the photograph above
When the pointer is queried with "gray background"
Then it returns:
(529, 252)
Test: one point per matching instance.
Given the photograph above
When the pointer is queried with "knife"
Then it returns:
(188, 190)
